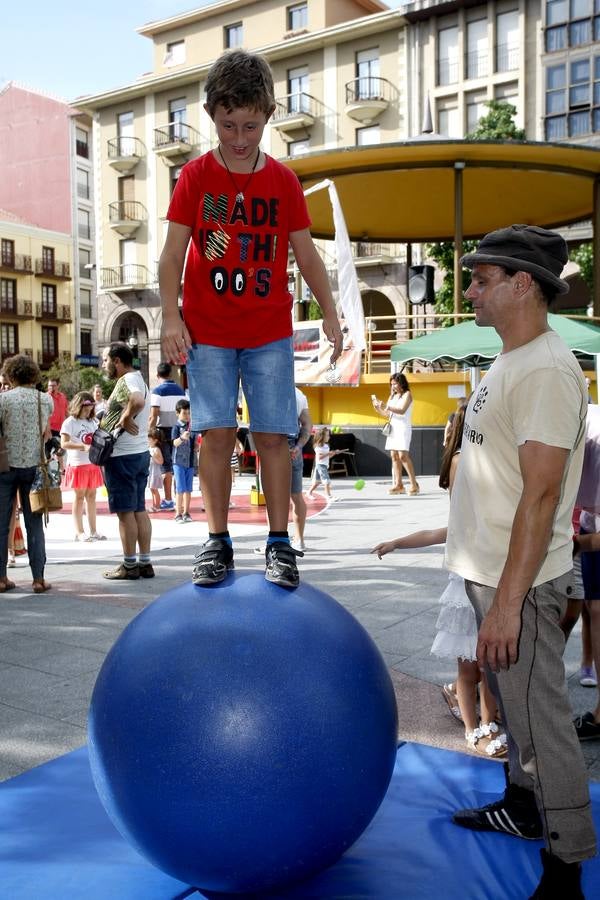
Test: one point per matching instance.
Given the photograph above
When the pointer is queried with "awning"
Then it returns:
(474, 346)
(406, 191)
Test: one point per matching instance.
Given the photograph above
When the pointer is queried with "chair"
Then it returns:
(344, 464)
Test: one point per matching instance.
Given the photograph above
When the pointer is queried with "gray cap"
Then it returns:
(525, 248)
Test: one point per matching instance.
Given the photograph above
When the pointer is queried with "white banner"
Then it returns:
(350, 299)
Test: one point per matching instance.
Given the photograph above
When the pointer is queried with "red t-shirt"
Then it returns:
(59, 413)
(235, 289)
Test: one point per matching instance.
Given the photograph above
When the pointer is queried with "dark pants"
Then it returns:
(10, 482)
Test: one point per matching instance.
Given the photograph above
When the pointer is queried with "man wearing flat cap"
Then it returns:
(510, 538)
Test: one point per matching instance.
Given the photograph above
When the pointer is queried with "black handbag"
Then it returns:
(102, 445)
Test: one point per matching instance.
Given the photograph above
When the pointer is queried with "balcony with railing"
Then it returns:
(16, 262)
(447, 71)
(124, 153)
(294, 111)
(46, 358)
(60, 313)
(13, 310)
(126, 216)
(368, 253)
(51, 268)
(126, 277)
(507, 58)
(175, 139)
(476, 64)
(367, 97)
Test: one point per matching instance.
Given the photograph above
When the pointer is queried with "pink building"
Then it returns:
(46, 180)
(35, 158)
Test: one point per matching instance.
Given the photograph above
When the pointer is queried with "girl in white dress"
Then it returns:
(398, 411)
(456, 636)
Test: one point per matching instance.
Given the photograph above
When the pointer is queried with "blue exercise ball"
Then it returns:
(242, 736)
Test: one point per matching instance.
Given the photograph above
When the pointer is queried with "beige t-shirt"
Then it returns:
(536, 392)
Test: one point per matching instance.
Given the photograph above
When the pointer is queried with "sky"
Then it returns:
(69, 49)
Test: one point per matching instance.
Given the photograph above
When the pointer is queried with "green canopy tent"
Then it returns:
(475, 346)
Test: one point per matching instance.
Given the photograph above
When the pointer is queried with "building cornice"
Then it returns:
(303, 43)
(209, 12)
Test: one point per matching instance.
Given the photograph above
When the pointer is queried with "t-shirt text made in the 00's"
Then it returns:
(236, 284)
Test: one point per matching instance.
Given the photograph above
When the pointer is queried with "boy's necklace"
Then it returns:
(239, 196)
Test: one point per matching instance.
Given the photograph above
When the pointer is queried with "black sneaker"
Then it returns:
(213, 562)
(281, 564)
(146, 570)
(516, 813)
(586, 727)
(560, 880)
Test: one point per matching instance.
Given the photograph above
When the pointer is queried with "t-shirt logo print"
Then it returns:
(481, 398)
(216, 243)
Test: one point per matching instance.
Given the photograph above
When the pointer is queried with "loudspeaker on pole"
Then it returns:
(420, 284)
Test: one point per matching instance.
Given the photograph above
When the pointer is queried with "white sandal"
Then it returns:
(482, 740)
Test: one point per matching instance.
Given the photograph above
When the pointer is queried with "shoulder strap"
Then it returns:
(42, 454)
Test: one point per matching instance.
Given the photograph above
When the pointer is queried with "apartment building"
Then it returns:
(47, 183)
(346, 74)
(36, 292)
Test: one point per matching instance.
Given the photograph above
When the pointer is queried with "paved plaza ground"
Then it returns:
(52, 646)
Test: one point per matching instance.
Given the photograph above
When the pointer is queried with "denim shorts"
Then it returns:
(126, 477)
(267, 378)
(322, 473)
(184, 479)
(297, 469)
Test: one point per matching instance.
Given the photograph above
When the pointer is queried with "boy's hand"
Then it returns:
(333, 333)
(382, 549)
(185, 435)
(175, 339)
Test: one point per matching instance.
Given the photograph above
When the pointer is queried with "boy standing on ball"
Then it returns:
(241, 209)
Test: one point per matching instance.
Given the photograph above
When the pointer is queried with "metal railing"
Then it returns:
(383, 332)
(295, 104)
(447, 71)
(45, 358)
(368, 88)
(476, 64)
(22, 309)
(128, 275)
(176, 133)
(16, 262)
(125, 147)
(52, 268)
(60, 313)
(507, 58)
(127, 211)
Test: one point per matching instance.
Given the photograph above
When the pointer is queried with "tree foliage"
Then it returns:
(497, 125)
(584, 257)
(75, 377)
(443, 254)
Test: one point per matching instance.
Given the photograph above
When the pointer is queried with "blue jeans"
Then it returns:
(267, 377)
(10, 482)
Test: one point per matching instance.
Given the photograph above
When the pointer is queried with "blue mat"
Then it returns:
(58, 844)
